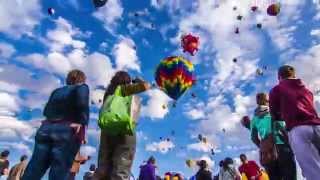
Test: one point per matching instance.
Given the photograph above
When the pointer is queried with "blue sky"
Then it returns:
(37, 50)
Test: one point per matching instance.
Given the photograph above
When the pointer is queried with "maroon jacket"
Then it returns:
(292, 102)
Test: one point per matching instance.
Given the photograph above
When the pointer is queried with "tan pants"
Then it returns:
(116, 156)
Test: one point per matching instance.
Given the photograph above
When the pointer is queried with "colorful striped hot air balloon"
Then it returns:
(274, 9)
(174, 76)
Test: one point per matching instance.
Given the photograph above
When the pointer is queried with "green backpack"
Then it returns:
(115, 116)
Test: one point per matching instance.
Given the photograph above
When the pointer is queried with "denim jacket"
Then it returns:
(70, 103)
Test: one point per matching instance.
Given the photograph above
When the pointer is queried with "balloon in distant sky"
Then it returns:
(273, 9)
(245, 121)
(239, 17)
(235, 60)
(51, 11)
(191, 163)
(190, 43)
(174, 76)
(259, 72)
(99, 3)
(259, 25)
(254, 8)
(237, 30)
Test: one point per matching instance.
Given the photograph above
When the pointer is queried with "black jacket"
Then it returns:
(204, 175)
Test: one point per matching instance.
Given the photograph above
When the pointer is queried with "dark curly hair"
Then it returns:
(120, 78)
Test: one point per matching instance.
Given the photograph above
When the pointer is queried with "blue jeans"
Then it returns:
(55, 147)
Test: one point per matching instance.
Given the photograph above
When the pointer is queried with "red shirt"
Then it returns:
(250, 169)
(292, 102)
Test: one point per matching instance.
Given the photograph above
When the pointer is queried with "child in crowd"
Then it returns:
(292, 102)
(148, 171)
(263, 129)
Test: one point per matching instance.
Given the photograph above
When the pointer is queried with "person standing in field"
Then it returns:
(117, 121)
(59, 137)
(293, 102)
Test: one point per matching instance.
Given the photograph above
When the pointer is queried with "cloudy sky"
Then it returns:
(37, 50)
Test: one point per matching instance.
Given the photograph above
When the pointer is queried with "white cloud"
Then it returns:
(195, 114)
(154, 107)
(126, 55)
(162, 146)
(14, 130)
(142, 136)
(8, 87)
(6, 50)
(201, 147)
(87, 150)
(19, 17)
(63, 36)
(58, 63)
(8, 102)
(110, 14)
(315, 32)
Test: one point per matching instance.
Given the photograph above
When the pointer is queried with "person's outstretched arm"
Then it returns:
(131, 89)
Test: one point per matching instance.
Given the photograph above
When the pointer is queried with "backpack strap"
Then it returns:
(118, 91)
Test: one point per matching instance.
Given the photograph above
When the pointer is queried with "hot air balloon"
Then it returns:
(239, 17)
(235, 60)
(99, 3)
(259, 72)
(245, 121)
(212, 152)
(273, 9)
(204, 140)
(259, 25)
(190, 43)
(200, 137)
(254, 8)
(51, 11)
(174, 76)
(237, 30)
(190, 163)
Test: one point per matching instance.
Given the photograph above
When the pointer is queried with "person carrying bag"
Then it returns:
(117, 120)
(275, 153)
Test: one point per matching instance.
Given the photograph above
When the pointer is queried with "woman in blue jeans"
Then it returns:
(59, 137)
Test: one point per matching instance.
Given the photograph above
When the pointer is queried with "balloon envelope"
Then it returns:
(99, 3)
(51, 11)
(175, 75)
(190, 43)
(273, 9)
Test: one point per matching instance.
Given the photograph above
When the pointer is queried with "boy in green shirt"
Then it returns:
(284, 168)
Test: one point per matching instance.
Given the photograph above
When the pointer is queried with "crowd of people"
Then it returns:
(285, 126)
